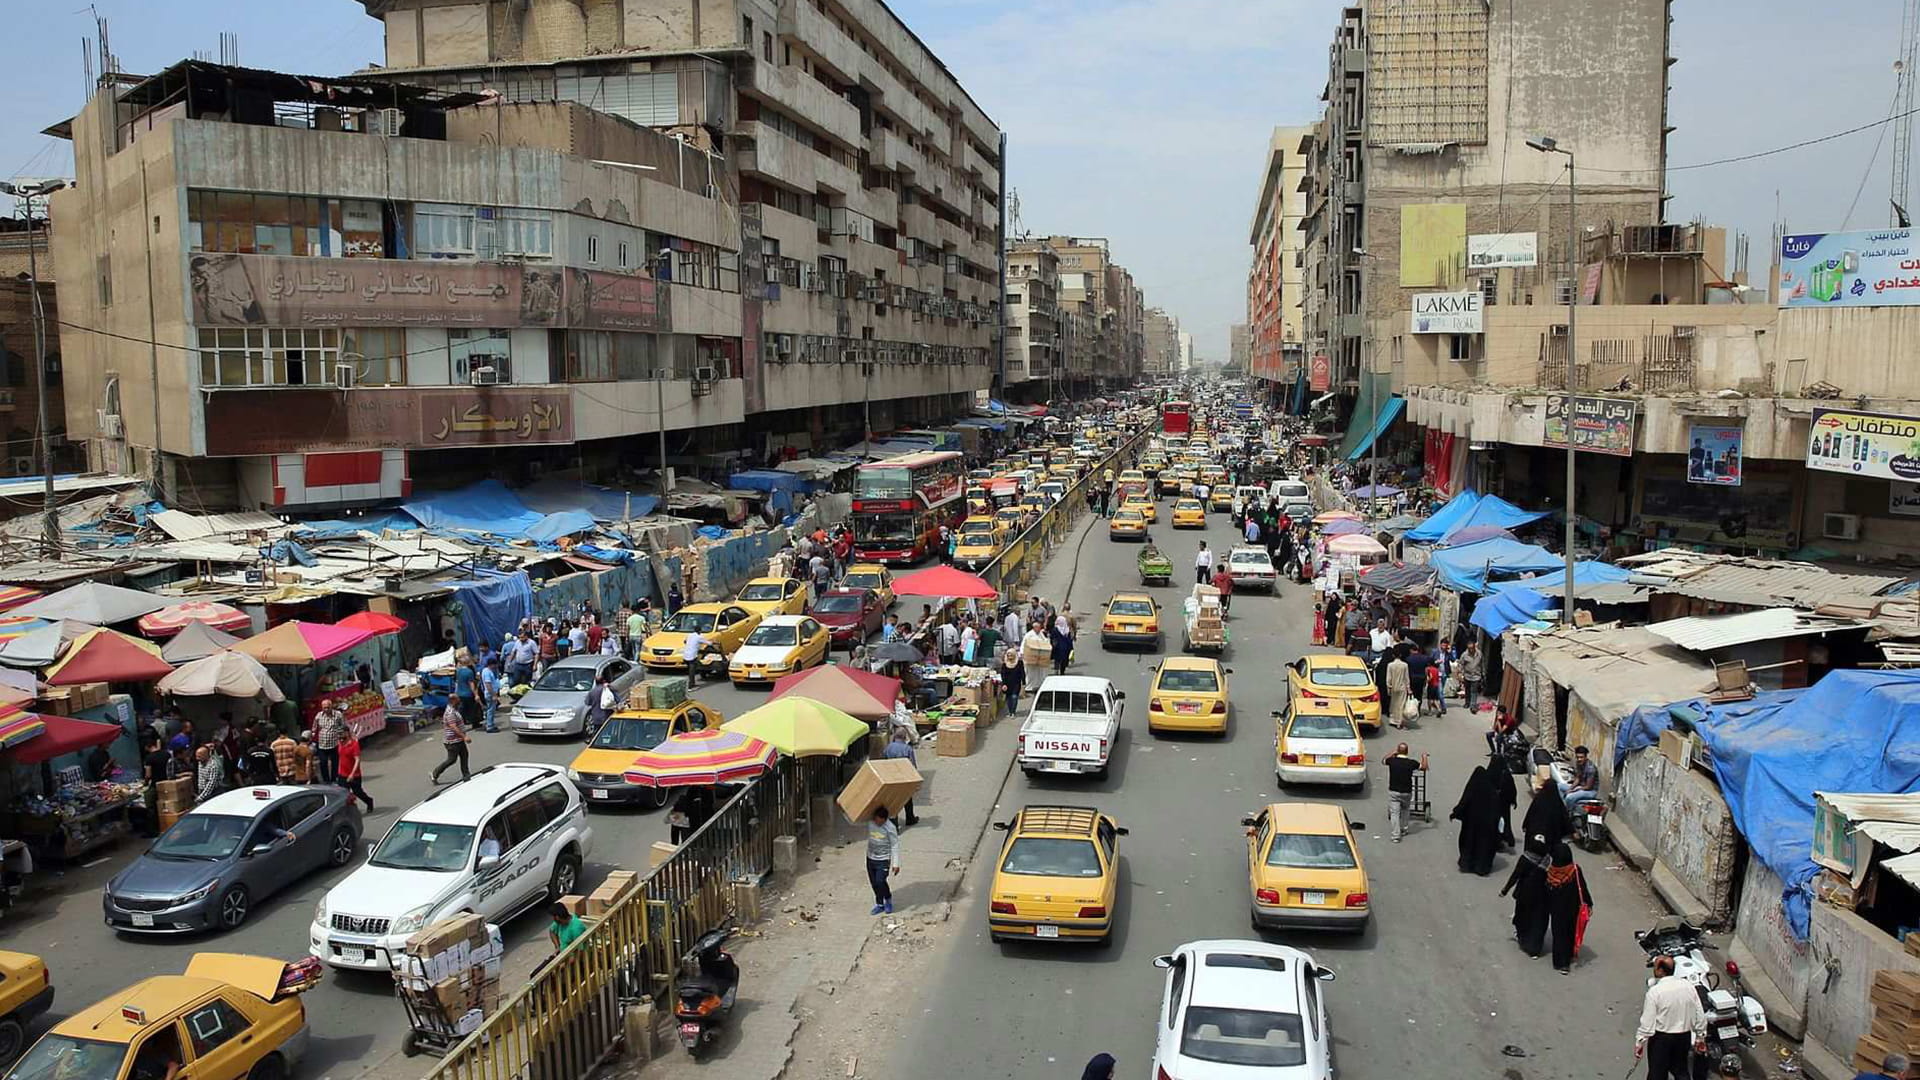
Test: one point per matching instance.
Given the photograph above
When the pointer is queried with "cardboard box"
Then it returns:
(617, 885)
(968, 695)
(1912, 942)
(956, 738)
(889, 782)
(1896, 994)
(168, 817)
(660, 852)
(576, 904)
(55, 701)
(174, 794)
(1677, 748)
(89, 695)
(456, 933)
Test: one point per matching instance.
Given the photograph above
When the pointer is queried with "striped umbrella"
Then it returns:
(699, 758)
(13, 626)
(12, 596)
(17, 725)
(170, 620)
(1325, 516)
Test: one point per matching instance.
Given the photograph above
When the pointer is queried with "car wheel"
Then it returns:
(566, 875)
(234, 906)
(340, 848)
(271, 1067)
(13, 1039)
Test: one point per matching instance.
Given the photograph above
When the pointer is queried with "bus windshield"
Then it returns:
(879, 482)
(884, 527)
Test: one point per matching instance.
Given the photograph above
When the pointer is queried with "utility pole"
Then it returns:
(1548, 146)
(49, 515)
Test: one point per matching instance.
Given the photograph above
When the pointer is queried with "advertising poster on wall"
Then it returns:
(1869, 268)
(1320, 373)
(1601, 425)
(1448, 313)
(1864, 444)
(1493, 250)
(1714, 453)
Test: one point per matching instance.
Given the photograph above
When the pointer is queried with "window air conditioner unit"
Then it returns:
(786, 344)
(109, 424)
(704, 374)
(21, 466)
(484, 375)
(343, 377)
(386, 122)
(1840, 526)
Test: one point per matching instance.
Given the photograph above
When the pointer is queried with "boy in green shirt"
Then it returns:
(566, 929)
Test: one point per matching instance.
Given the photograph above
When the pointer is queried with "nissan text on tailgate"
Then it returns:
(1072, 726)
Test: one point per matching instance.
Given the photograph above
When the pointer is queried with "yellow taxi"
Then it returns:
(773, 596)
(1220, 496)
(26, 991)
(1189, 693)
(227, 1018)
(874, 578)
(1056, 877)
(1189, 514)
(1131, 618)
(1304, 870)
(978, 542)
(779, 646)
(1171, 481)
(1138, 476)
(723, 625)
(599, 770)
(1150, 466)
(1142, 503)
(1009, 520)
(1330, 675)
(1035, 503)
(1315, 742)
(1126, 524)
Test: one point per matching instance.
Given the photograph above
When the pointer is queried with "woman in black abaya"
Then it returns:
(1546, 817)
(1528, 884)
(1505, 796)
(1478, 813)
(1568, 906)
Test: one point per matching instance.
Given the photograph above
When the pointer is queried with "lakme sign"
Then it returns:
(1447, 313)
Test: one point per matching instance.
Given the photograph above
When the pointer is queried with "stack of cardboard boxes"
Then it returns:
(71, 700)
(663, 692)
(455, 965)
(173, 798)
(1896, 1020)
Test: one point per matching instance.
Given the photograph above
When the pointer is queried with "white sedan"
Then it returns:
(1251, 569)
(1242, 1010)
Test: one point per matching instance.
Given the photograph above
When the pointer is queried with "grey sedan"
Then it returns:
(229, 853)
(557, 704)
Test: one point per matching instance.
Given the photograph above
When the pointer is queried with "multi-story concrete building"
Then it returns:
(1183, 361)
(19, 389)
(1162, 336)
(1239, 349)
(1274, 280)
(870, 181)
(1033, 321)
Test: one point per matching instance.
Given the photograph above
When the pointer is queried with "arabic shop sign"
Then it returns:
(1447, 312)
(307, 420)
(1602, 425)
(1864, 444)
(1879, 268)
(283, 291)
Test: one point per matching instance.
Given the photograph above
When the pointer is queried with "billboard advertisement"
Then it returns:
(1714, 453)
(1602, 425)
(1868, 268)
(1319, 373)
(1493, 250)
(1865, 444)
(1448, 313)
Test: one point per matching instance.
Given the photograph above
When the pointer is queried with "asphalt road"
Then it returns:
(1435, 988)
(357, 1024)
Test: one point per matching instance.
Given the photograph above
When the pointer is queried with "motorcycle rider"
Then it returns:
(1672, 1022)
(1585, 785)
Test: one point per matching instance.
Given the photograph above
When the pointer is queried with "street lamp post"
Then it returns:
(1373, 392)
(1547, 145)
(49, 516)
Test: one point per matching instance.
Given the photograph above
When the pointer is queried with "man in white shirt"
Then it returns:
(949, 638)
(1380, 639)
(1202, 564)
(690, 652)
(1671, 1024)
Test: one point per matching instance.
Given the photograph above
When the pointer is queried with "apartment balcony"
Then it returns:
(985, 172)
(891, 151)
(822, 37)
(787, 161)
(804, 96)
(918, 222)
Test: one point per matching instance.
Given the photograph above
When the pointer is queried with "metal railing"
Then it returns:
(1652, 363)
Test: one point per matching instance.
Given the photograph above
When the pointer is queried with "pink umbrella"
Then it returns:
(171, 620)
(299, 642)
(1343, 527)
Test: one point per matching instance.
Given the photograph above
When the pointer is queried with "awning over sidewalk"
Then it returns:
(1389, 411)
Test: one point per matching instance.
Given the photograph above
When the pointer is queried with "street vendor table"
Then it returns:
(365, 711)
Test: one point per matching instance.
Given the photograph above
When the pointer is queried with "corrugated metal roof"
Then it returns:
(1616, 669)
(1759, 582)
(1905, 867)
(1873, 806)
(181, 525)
(1899, 835)
(1702, 633)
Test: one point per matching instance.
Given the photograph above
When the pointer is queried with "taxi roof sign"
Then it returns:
(262, 794)
(133, 1015)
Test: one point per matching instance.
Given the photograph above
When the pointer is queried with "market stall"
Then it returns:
(195, 641)
(93, 603)
(302, 645)
(227, 676)
(64, 814)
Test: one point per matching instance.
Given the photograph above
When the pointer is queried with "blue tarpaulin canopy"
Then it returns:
(1388, 412)
(981, 422)
(780, 487)
(340, 528)
(1856, 732)
(492, 604)
(604, 503)
(1586, 573)
(489, 508)
(1471, 508)
(1509, 607)
(1469, 567)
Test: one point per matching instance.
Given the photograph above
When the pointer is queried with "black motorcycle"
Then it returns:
(706, 997)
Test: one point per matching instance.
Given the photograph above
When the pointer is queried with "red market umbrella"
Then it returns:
(374, 622)
(12, 596)
(63, 735)
(857, 693)
(297, 642)
(172, 619)
(108, 656)
(944, 581)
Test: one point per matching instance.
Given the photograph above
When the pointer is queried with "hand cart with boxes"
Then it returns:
(448, 981)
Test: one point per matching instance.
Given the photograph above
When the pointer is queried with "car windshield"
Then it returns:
(566, 679)
(1130, 517)
(1319, 725)
(768, 591)
(773, 635)
(62, 1057)
(202, 837)
(1188, 504)
(865, 579)
(1130, 607)
(1250, 558)
(630, 733)
(835, 605)
(1242, 1037)
(1303, 851)
(1189, 681)
(424, 845)
(1041, 856)
(977, 534)
(1340, 676)
(686, 622)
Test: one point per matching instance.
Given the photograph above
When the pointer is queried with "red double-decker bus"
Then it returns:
(899, 504)
(1176, 417)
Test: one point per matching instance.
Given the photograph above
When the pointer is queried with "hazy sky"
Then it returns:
(1146, 121)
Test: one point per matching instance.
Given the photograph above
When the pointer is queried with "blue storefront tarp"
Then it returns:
(1586, 573)
(1856, 732)
(1509, 607)
(1469, 567)
(1388, 413)
(780, 487)
(492, 604)
(1471, 508)
(490, 509)
(341, 528)
(604, 503)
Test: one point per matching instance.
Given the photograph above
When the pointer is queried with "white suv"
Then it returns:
(501, 843)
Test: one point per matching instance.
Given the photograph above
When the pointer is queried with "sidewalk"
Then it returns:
(796, 963)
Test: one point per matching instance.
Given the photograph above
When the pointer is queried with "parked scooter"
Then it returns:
(1589, 818)
(1733, 1016)
(706, 996)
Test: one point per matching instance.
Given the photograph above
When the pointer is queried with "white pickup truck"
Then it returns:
(1072, 726)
